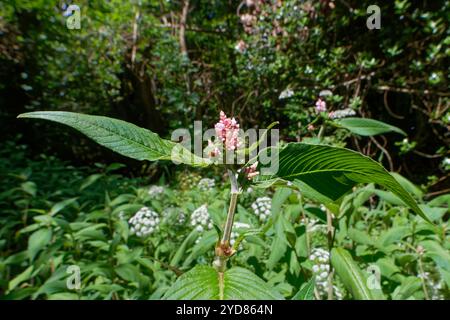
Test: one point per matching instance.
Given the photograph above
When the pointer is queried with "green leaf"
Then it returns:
(434, 213)
(408, 287)
(351, 275)
(90, 180)
(243, 235)
(25, 275)
(279, 245)
(57, 207)
(306, 291)
(206, 243)
(37, 241)
(64, 296)
(359, 236)
(408, 185)
(436, 252)
(187, 243)
(392, 236)
(366, 127)
(389, 197)
(389, 269)
(29, 187)
(332, 171)
(122, 137)
(128, 272)
(205, 283)
(280, 196)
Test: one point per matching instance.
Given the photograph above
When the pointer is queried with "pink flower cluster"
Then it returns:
(250, 172)
(227, 130)
(321, 106)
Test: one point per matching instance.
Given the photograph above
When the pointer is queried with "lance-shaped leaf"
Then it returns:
(205, 283)
(366, 127)
(331, 172)
(122, 137)
(353, 277)
(306, 291)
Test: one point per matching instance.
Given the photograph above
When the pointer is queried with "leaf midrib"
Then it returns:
(319, 171)
(355, 275)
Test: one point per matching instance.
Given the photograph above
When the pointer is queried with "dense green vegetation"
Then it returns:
(151, 230)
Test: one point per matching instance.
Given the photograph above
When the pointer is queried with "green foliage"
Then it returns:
(205, 283)
(136, 62)
(332, 172)
(306, 291)
(350, 274)
(122, 137)
(89, 228)
(366, 127)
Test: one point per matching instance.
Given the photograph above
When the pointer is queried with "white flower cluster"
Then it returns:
(262, 207)
(181, 218)
(321, 269)
(144, 222)
(122, 215)
(200, 219)
(434, 286)
(338, 114)
(235, 234)
(313, 224)
(287, 93)
(154, 191)
(206, 184)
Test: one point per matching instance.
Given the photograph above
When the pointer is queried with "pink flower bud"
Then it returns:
(251, 172)
(321, 105)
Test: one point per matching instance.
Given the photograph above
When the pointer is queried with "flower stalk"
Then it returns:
(330, 237)
(224, 250)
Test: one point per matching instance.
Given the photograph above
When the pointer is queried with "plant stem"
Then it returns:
(321, 132)
(305, 219)
(330, 237)
(224, 251)
(231, 209)
(424, 285)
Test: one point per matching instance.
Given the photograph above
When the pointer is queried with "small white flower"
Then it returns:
(235, 234)
(206, 184)
(261, 207)
(241, 225)
(155, 191)
(181, 218)
(144, 222)
(325, 267)
(322, 259)
(338, 114)
(286, 93)
(321, 268)
(200, 219)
